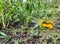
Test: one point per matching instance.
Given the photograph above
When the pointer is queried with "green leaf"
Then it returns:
(3, 34)
(16, 42)
(31, 31)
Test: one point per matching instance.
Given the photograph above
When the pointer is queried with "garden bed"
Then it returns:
(29, 22)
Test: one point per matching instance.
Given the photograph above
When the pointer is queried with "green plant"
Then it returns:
(1, 11)
(23, 12)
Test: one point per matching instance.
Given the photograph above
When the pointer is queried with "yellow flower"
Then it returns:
(44, 25)
(50, 26)
(47, 24)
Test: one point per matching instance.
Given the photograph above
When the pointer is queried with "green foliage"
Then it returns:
(20, 14)
(3, 35)
(23, 12)
(16, 42)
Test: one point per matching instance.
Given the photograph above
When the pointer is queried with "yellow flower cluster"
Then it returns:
(48, 25)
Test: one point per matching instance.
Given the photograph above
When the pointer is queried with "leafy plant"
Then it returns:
(3, 35)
